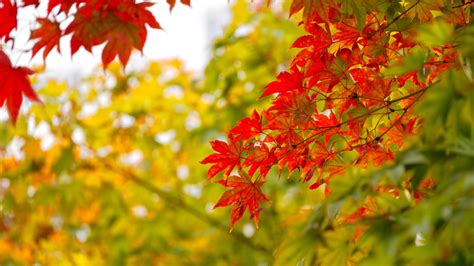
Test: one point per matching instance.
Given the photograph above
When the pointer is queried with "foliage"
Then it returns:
(347, 101)
(120, 25)
(372, 111)
(106, 171)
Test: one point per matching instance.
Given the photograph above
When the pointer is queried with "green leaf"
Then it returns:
(65, 161)
(436, 33)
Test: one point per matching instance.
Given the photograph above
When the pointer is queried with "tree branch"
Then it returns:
(462, 5)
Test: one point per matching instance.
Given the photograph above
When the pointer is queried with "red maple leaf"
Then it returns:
(260, 157)
(173, 2)
(297, 104)
(285, 126)
(248, 127)
(243, 194)
(30, 2)
(227, 157)
(48, 35)
(120, 24)
(64, 5)
(287, 81)
(13, 83)
(347, 35)
(326, 125)
(399, 131)
(8, 20)
(319, 40)
(373, 153)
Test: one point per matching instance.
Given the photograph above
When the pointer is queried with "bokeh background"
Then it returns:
(106, 171)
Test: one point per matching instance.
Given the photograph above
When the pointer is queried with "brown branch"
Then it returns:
(462, 5)
(395, 19)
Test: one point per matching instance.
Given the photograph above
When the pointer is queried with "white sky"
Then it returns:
(188, 34)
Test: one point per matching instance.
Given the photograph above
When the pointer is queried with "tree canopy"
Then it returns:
(359, 152)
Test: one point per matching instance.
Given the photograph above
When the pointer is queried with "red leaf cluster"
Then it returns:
(334, 107)
(119, 25)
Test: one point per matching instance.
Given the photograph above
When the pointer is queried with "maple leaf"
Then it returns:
(320, 74)
(227, 157)
(30, 2)
(287, 81)
(295, 157)
(347, 35)
(172, 3)
(399, 131)
(296, 5)
(48, 35)
(121, 25)
(328, 125)
(296, 104)
(319, 40)
(248, 127)
(314, 10)
(64, 5)
(321, 154)
(243, 194)
(260, 157)
(8, 20)
(374, 153)
(13, 84)
(285, 127)
(370, 207)
(372, 85)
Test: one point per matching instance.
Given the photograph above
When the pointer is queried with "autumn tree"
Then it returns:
(368, 76)
(369, 128)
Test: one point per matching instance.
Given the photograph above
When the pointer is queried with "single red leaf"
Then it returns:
(14, 84)
(248, 127)
(303, 41)
(226, 158)
(373, 153)
(260, 157)
(297, 104)
(326, 125)
(296, 5)
(121, 25)
(287, 81)
(8, 21)
(48, 36)
(347, 35)
(285, 126)
(318, 41)
(64, 5)
(30, 2)
(243, 194)
(399, 131)
(172, 3)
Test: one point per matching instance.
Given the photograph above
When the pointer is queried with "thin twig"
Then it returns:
(462, 5)
(394, 20)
